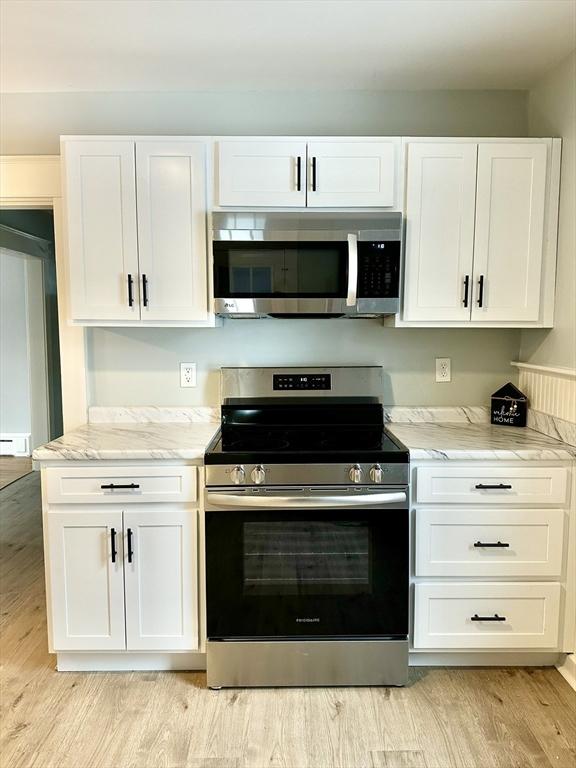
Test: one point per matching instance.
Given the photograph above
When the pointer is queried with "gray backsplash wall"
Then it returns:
(140, 366)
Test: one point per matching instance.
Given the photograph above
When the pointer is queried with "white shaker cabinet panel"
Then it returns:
(510, 206)
(100, 199)
(171, 192)
(352, 173)
(262, 172)
(440, 203)
(86, 577)
(161, 577)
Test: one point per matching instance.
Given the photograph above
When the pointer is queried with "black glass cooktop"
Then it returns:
(296, 430)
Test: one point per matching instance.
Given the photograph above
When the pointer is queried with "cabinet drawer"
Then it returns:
(450, 615)
(517, 542)
(114, 485)
(491, 485)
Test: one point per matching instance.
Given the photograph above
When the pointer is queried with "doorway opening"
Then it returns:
(30, 383)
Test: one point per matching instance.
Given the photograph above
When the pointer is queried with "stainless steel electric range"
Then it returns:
(306, 532)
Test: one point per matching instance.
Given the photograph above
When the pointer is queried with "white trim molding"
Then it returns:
(567, 669)
(569, 373)
(551, 391)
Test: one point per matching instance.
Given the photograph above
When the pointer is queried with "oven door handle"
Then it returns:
(352, 270)
(304, 502)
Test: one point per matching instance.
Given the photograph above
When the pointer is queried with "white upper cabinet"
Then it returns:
(262, 173)
(102, 240)
(136, 218)
(510, 206)
(321, 173)
(170, 186)
(440, 202)
(480, 232)
(352, 173)
(161, 579)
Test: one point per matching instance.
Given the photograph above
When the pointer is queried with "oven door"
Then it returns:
(307, 563)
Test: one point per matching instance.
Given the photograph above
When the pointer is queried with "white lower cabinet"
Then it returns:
(123, 579)
(160, 580)
(86, 580)
(494, 616)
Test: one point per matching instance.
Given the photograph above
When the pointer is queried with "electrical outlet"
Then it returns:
(443, 370)
(187, 374)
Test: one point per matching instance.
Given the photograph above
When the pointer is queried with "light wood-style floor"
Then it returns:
(12, 468)
(446, 718)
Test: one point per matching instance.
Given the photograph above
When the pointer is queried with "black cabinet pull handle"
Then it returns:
(130, 291)
(145, 290)
(498, 544)
(498, 487)
(313, 174)
(466, 288)
(130, 550)
(113, 544)
(115, 487)
(480, 290)
(487, 618)
(298, 174)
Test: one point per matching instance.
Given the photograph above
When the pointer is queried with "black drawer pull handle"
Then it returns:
(466, 289)
(113, 544)
(487, 618)
(498, 487)
(130, 291)
(313, 174)
(298, 174)
(498, 544)
(115, 487)
(130, 550)
(145, 290)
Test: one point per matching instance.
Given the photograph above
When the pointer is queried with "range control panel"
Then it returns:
(300, 381)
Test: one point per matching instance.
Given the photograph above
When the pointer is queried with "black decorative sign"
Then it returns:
(509, 407)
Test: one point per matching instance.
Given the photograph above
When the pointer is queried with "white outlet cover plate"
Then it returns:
(443, 370)
(187, 374)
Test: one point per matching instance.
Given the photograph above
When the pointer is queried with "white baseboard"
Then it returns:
(567, 668)
(484, 659)
(129, 662)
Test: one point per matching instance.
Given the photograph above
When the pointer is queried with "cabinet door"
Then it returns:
(352, 173)
(161, 579)
(101, 220)
(171, 191)
(86, 589)
(267, 173)
(440, 201)
(509, 231)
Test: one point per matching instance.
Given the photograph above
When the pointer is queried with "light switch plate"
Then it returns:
(443, 370)
(187, 374)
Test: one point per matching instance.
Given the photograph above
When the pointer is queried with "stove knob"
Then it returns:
(258, 474)
(376, 473)
(238, 475)
(355, 473)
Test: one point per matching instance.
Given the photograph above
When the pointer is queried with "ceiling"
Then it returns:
(188, 45)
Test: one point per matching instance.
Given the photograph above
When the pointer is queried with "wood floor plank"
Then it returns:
(445, 718)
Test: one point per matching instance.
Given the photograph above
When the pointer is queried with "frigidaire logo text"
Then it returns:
(315, 620)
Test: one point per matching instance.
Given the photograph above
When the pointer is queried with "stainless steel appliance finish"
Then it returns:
(302, 498)
(307, 475)
(308, 227)
(365, 247)
(345, 381)
(239, 664)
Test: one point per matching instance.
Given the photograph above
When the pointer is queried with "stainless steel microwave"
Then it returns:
(306, 265)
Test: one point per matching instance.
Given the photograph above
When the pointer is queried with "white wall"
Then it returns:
(14, 379)
(32, 122)
(552, 112)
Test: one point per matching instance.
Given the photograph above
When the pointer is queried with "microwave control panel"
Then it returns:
(300, 381)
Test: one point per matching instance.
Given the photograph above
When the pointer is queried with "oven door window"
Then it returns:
(289, 270)
(299, 573)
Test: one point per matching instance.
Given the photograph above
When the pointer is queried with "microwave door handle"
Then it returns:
(352, 270)
(304, 502)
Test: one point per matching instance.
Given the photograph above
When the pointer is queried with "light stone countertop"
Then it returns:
(127, 441)
(478, 442)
